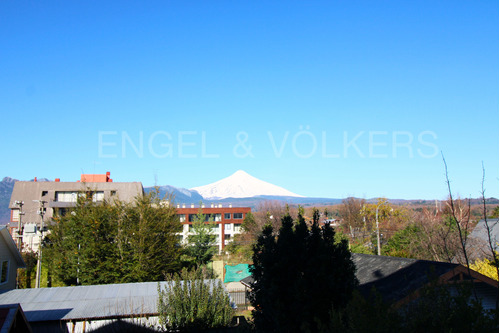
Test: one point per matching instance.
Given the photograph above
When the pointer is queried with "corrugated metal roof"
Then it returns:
(87, 302)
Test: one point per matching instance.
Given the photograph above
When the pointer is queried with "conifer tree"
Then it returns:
(301, 276)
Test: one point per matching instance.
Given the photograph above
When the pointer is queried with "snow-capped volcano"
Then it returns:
(241, 185)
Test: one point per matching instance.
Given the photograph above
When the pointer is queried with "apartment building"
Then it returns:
(32, 201)
(227, 221)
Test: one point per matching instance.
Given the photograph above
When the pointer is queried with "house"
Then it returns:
(227, 221)
(478, 242)
(32, 201)
(12, 319)
(10, 260)
(103, 308)
(399, 280)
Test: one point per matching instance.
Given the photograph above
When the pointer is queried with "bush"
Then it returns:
(195, 301)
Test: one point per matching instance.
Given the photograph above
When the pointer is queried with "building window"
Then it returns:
(98, 196)
(238, 216)
(15, 215)
(4, 271)
(227, 216)
(182, 217)
(227, 237)
(217, 217)
(44, 193)
(192, 217)
(66, 196)
(237, 227)
(113, 193)
(228, 227)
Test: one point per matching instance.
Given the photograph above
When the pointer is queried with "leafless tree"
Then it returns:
(489, 228)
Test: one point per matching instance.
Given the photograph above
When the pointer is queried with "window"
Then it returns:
(238, 216)
(227, 237)
(113, 193)
(237, 227)
(217, 217)
(4, 274)
(227, 216)
(228, 227)
(15, 215)
(98, 196)
(182, 217)
(192, 217)
(66, 196)
(44, 193)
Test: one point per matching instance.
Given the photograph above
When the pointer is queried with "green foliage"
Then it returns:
(202, 242)
(249, 222)
(26, 277)
(403, 243)
(147, 241)
(370, 314)
(442, 309)
(301, 276)
(494, 213)
(194, 303)
(101, 243)
(439, 308)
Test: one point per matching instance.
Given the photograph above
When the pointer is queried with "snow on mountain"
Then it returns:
(241, 185)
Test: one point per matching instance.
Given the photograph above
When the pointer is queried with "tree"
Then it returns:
(194, 301)
(351, 214)
(301, 276)
(101, 243)
(147, 240)
(202, 242)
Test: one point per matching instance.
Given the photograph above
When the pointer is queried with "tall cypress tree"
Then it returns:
(301, 276)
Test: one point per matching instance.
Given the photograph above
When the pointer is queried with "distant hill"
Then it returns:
(181, 195)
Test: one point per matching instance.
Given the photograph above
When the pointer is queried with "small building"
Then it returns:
(106, 308)
(227, 221)
(10, 260)
(32, 200)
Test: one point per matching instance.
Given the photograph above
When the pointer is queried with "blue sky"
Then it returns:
(326, 99)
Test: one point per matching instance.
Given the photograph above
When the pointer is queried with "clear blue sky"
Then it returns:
(326, 99)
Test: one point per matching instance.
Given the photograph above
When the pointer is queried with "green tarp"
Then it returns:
(236, 273)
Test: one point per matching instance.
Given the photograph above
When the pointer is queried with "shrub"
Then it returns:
(194, 301)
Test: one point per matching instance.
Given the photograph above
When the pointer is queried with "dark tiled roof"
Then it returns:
(395, 278)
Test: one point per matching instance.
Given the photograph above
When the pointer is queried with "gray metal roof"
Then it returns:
(87, 302)
(477, 245)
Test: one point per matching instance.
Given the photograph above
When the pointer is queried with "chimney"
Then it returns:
(178, 206)
(57, 180)
(211, 205)
(35, 180)
(183, 205)
(192, 205)
(220, 205)
(230, 206)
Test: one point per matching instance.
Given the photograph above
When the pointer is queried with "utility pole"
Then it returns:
(41, 212)
(19, 235)
(378, 231)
